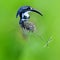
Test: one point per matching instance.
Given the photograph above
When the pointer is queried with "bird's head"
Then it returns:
(26, 9)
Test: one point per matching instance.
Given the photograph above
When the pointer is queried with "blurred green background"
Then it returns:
(13, 46)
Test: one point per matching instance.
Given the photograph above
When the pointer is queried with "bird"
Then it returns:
(29, 26)
(23, 13)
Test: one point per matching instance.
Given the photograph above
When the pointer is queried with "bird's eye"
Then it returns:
(28, 8)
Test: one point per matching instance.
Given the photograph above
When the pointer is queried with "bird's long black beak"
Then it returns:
(36, 11)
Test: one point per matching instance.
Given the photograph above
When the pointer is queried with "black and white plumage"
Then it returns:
(23, 13)
(30, 26)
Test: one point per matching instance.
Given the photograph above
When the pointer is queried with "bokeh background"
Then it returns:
(13, 46)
